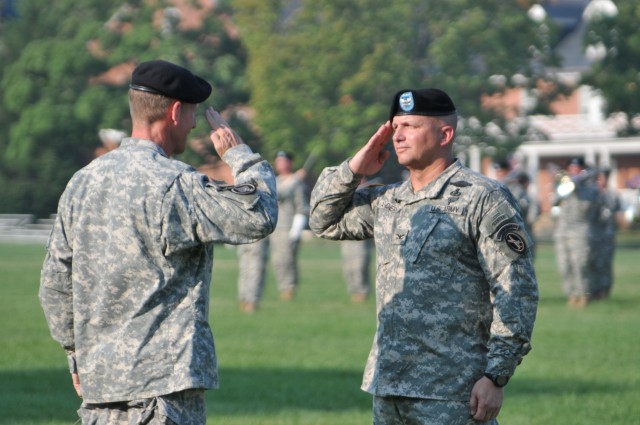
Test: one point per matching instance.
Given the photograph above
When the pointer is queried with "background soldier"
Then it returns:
(517, 182)
(611, 207)
(293, 206)
(576, 231)
(356, 261)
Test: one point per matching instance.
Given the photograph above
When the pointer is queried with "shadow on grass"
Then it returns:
(524, 387)
(30, 397)
(249, 391)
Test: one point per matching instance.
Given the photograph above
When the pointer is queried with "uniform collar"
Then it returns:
(134, 142)
(433, 190)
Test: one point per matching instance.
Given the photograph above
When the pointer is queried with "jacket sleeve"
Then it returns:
(55, 294)
(506, 257)
(338, 210)
(198, 210)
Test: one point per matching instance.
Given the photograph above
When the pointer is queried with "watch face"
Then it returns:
(498, 380)
(501, 381)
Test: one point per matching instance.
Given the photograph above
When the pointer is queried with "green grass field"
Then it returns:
(301, 362)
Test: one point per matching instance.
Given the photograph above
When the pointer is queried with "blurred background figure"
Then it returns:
(577, 199)
(517, 182)
(110, 139)
(610, 214)
(356, 261)
(293, 206)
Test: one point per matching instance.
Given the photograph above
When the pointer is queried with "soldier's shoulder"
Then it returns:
(466, 177)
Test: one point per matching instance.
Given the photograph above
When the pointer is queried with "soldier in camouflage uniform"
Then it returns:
(125, 282)
(356, 260)
(576, 233)
(456, 290)
(610, 208)
(293, 207)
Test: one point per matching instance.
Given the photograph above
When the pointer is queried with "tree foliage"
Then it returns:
(617, 74)
(322, 73)
(51, 103)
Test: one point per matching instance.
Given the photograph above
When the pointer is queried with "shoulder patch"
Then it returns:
(515, 242)
(510, 234)
(240, 189)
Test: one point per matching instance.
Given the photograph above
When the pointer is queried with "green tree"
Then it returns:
(614, 41)
(45, 66)
(51, 105)
(322, 73)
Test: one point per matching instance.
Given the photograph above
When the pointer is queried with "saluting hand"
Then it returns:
(370, 159)
(222, 136)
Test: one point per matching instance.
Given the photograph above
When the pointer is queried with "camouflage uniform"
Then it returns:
(125, 282)
(610, 208)
(356, 258)
(456, 288)
(576, 236)
(293, 199)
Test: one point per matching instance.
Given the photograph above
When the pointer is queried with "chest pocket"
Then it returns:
(415, 240)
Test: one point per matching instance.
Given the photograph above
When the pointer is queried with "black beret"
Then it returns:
(576, 161)
(430, 102)
(170, 80)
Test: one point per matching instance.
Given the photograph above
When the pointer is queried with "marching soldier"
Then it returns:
(576, 232)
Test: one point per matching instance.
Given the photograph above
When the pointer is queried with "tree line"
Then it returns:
(300, 75)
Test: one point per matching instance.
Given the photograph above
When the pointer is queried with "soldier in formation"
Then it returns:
(611, 209)
(578, 203)
(284, 242)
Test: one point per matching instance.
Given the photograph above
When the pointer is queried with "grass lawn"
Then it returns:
(301, 362)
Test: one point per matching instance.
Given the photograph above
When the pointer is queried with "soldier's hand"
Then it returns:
(370, 159)
(76, 383)
(486, 400)
(222, 136)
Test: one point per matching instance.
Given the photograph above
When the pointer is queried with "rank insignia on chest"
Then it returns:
(454, 195)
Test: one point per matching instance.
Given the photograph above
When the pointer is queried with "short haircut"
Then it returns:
(147, 107)
(450, 120)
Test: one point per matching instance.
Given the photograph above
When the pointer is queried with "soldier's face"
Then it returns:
(416, 140)
(283, 165)
(574, 169)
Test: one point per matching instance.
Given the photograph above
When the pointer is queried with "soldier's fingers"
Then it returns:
(214, 118)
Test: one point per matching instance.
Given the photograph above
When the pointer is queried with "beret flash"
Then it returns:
(429, 102)
(170, 80)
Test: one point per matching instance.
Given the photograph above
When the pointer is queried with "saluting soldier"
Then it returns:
(576, 233)
(456, 288)
(125, 282)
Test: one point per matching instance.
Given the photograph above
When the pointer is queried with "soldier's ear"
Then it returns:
(447, 133)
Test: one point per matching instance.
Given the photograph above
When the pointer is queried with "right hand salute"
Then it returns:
(370, 159)
(222, 136)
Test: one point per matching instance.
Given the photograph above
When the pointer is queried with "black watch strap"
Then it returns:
(498, 380)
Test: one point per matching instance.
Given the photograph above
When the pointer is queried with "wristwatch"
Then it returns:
(498, 380)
